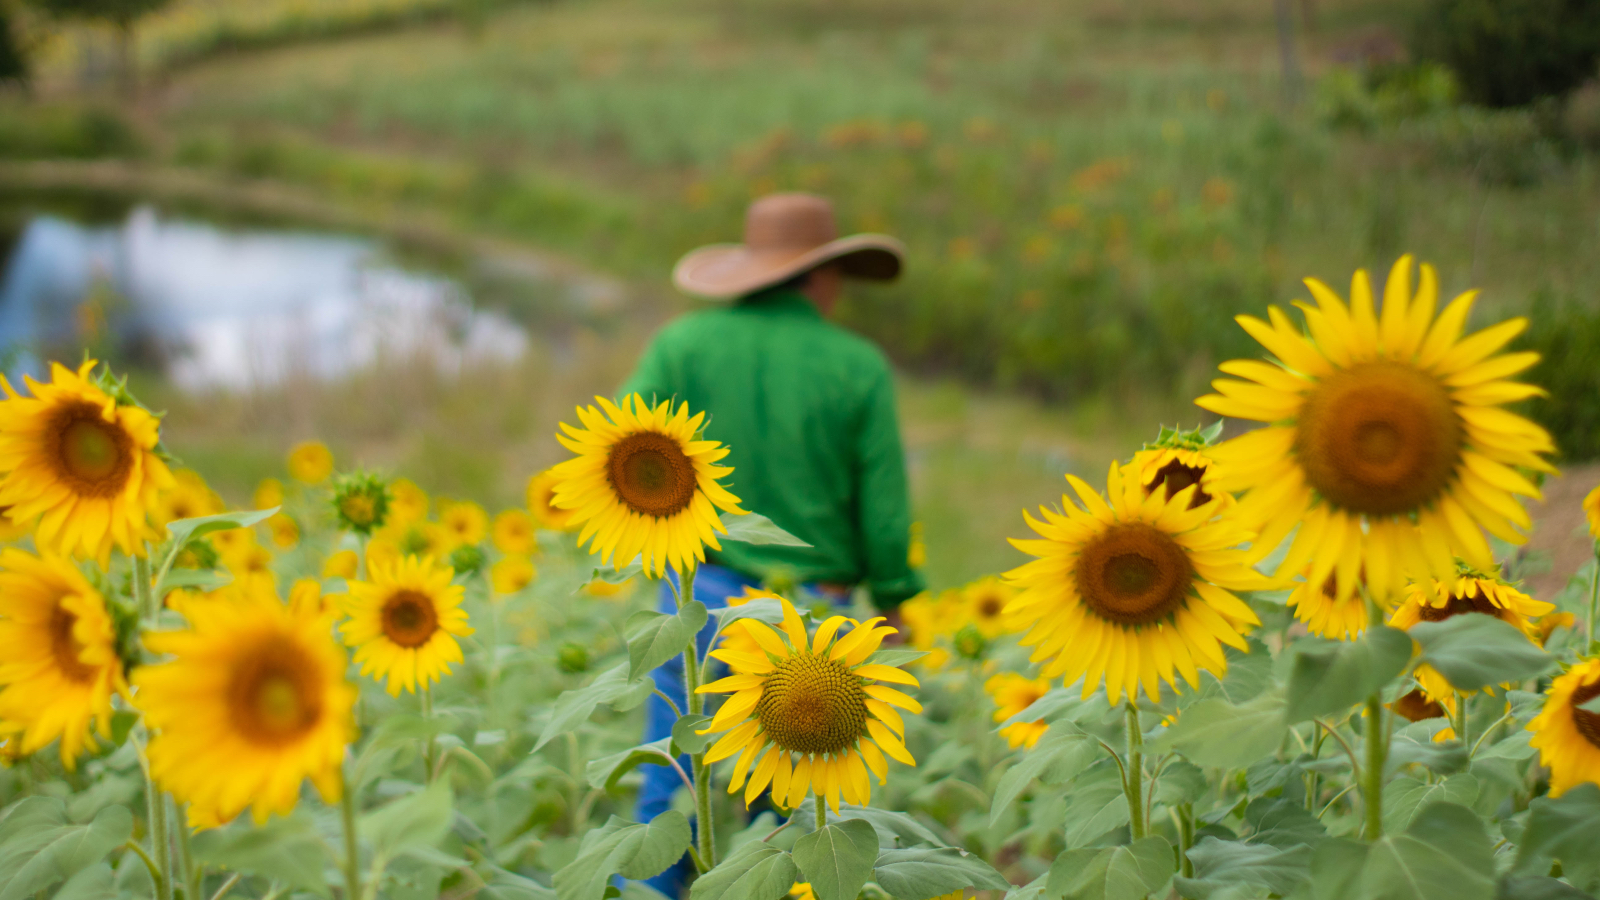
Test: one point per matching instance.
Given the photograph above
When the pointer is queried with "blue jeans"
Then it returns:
(713, 585)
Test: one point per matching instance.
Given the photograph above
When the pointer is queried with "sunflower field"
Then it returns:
(1243, 665)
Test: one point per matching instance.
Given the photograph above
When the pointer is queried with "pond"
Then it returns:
(220, 304)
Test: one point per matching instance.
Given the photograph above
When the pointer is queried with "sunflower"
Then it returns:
(187, 498)
(541, 497)
(360, 502)
(807, 715)
(1339, 615)
(407, 502)
(81, 464)
(1132, 590)
(253, 701)
(404, 622)
(1566, 735)
(342, 564)
(511, 574)
(928, 619)
(605, 590)
(464, 522)
(513, 533)
(310, 462)
(1176, 460)
(1014, 693)
(268, 493)
(1471, 592)
(1385, 442)
(251, 562)
(916, 548)
(642, 485)
(1591, 510)
(58, 654)
(284, 532)
(983, 603)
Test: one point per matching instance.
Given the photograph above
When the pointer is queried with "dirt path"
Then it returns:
(1560, 532)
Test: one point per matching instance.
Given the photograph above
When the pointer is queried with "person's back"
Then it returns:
(807, 411)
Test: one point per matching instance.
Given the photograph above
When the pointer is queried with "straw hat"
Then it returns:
(785, 235)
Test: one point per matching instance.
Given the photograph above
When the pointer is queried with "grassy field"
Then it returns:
(1090, 192)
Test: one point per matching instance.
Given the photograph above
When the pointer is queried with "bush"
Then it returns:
(13, 67)
(1567, 335)
(72, 132)
(1512, 52)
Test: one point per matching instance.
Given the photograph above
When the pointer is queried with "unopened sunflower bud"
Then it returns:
(466, 559)
(970, 643)
(573, 658)
(361, 502)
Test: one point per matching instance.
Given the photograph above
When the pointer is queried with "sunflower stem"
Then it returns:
(1372, 789)
(192, 874)
(1133, 778)
(822, 813)
(1594, 598)
(1184, 814)
(429, 746)
(143, 591)
(160, 837)
(352, 852)
(697, 705)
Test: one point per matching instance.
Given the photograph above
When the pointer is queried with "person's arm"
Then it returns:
(885, 504)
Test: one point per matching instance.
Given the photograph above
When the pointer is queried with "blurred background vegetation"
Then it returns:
(1091, 190)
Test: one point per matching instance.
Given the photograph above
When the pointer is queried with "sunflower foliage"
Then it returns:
(1283, 662)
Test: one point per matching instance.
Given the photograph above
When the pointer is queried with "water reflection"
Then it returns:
(234, 309)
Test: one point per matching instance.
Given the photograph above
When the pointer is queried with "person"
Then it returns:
(807, 411)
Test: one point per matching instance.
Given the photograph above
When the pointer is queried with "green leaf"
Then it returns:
(39, 847)
(1180, 782)
(287, 850)
(1536, 887)
(894, 828)
(499, 884)
(1225, 864)
(929, 872)
(1443, 855)
(1064, 752)
(609, 575)
(1282, 824)
(604, 772)
(631, 850)
(1564, 828)
(184, 530)
(1334, 676)
(684, 736)
(197, 579)
(1415, 744)
(1404, 796)
(754, 528)
(896, 657)
(575, 706)
(1095, 805)
(1114, 873)
(1474, 652)
(1217, 733)
(96, 882)
(416, 822)
(664, 637)
(838, 859)
(756, 871)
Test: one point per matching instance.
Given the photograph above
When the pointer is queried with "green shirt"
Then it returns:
(807, 410)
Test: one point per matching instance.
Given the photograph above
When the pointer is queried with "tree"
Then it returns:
(1512, 52)
(121, 15)
(13, 65)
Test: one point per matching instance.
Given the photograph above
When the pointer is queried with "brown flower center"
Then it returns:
(1380, 438)
(989, 606)
(1475, 602)
(1415, 706)
(1588, 723)
(1175, 477)
(1133, 574)
(66, 648)
(651, 474)
(91, 454)
(273, 695)
(812, 704)
(409, 618)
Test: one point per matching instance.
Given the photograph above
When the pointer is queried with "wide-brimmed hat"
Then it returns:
(785, 235)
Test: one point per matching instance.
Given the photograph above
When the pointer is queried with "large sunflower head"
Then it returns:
(81, 463)
(1132, 588)
(807, 713)
(1566, 734)
(405, 621)
(253, 700)
(58, 654)
(541, 502)
(1385, 439)
(1013, 693)
(984, 605)
(1333, 609)
(643, 485)
(1470, 592)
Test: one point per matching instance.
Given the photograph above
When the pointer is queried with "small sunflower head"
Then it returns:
(310, 462)
(467, 559)
(361, 502)
(969, 643)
